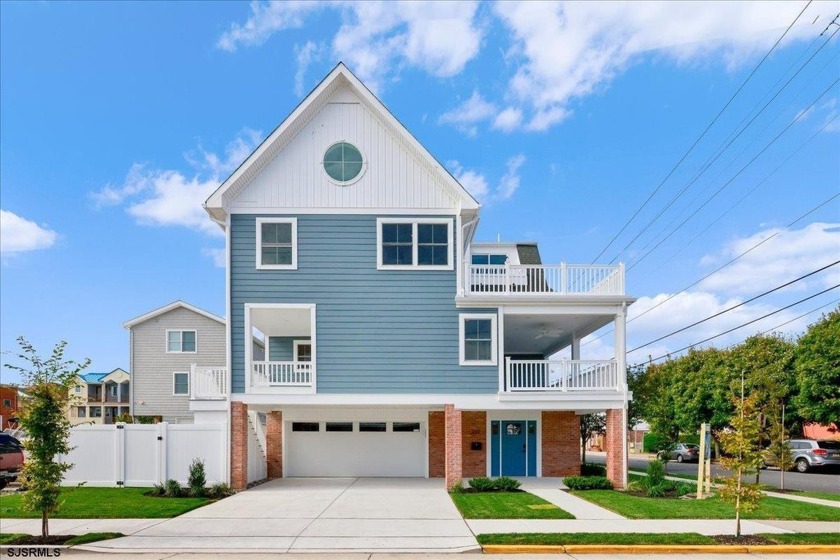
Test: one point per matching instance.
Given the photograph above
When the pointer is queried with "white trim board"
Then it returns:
(170, 307)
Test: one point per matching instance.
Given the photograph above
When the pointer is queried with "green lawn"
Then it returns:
(507, 505)
(101, 503)
(815, 494)
(559, 539)
(11, 538)
(16, 538)
(637, 507)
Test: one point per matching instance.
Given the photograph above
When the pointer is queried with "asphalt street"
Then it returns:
(823, 481)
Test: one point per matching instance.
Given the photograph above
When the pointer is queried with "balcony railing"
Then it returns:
(208, 383)
(561, 280)
(282, 374)
(561, 375)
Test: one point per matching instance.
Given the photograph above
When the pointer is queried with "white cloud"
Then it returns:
(567, 50)
(509, 119)
(217, 255)
(304, 55)
(510, 180)
(467, 114)
(18, 234)
(788, 255)
(266, 18)
(168, 197)
(474, 182)
(377, 38)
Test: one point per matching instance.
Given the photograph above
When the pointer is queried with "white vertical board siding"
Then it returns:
(132, 454)
(395, 175)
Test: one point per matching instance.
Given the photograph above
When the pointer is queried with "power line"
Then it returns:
(744, 324)
(729, 182)
(721, 267)
(697, 141)
(709, 162)
(727, 310)
(794, 319)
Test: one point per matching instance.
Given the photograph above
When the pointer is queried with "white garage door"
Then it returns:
(355, 448)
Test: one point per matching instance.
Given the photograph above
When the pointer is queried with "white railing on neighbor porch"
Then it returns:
(563, 279)
(282, 374)
(208, 383)
(561, 375)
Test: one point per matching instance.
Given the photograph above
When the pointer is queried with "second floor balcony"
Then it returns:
(544, 280)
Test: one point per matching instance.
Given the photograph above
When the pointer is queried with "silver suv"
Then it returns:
(809, 453)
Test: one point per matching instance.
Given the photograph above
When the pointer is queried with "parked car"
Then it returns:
(682, 453)
(11, 459)
(807, 454)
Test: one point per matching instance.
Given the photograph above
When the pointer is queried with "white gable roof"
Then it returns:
(265, 178)
(167, 308)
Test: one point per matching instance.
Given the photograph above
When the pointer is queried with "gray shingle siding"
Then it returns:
(152, 367)
(378, 331)
(528, 254)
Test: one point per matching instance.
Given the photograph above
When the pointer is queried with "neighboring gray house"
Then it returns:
(164, 344)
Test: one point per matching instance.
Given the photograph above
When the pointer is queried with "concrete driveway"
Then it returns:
(316, 515)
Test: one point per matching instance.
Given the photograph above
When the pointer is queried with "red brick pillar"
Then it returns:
(437, 444)
(614, 441)
(238, 445)
(274, 443)
(560, 443)
(454, 463)
(473, 429)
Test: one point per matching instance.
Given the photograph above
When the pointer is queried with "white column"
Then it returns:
(621, 344)
(575, 347)
(500, 330)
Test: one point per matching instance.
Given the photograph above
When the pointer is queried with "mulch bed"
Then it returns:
(39, 540)
(745, 540)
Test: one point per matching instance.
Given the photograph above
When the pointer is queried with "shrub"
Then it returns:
(588, 483)
(482, 484)
(507, 484)
(657, 491)
(655, 473)
(197, 478)
(172, 489)
(458, 488)
(219, 491)
(593, 469)
(158, 490)
(683, 489)
(653, 443)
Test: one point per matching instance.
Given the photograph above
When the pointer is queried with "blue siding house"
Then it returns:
(395, 344)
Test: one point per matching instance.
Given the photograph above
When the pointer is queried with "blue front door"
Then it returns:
(513, 448)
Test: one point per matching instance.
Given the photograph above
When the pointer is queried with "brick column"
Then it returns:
(238, 445)
(473, 429)
(560, 443)
(437, 444)
(454, 464)
(274, 443)
(614, 443)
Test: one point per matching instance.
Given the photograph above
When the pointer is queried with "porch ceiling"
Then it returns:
(282, 322)
(544, 334)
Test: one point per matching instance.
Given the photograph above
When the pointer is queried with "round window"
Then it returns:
(343, 162)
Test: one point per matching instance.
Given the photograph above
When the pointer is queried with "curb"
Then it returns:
(660, 549)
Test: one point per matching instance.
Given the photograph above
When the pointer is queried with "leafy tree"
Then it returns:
(780, 450)
(590, 426)
(817, 366)
(48, 382)
(744, 456)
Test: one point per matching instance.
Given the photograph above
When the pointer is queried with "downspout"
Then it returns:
(465, 250)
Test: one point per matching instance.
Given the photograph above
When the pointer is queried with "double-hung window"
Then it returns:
(414, 243)
(178, 342)
(180, 383)
(478, 339)
(277, 243)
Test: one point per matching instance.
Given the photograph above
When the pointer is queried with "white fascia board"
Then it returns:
(551, 305)
(167, 308)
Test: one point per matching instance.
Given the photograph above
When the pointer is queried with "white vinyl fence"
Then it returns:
(145, 454)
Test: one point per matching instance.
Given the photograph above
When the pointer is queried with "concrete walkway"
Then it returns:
(314, 515)
(552, 490)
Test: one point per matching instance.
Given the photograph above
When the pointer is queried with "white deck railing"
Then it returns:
(563, 279)
(208, 383)
(561, 375)
(282, 374)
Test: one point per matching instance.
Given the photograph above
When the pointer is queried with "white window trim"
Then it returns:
(295, 345)
(414, 240)
(462, 318)
(181, 351)
(174, 394)
(258, 254)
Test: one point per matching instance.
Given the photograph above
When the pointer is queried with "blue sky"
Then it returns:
(118, 119)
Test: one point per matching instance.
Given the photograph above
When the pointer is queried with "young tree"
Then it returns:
(590, 425)
(818, 371)
(740, 442)
(48, 382)
(780, 451)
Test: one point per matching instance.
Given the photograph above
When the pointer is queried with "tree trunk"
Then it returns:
(738, 507)
(583, 453)
(45, 526)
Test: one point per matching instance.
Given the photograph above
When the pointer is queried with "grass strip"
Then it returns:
(803, 538)
(507, 505)
(559, 539)
(11, 538)
(103, 503)
(92, 537)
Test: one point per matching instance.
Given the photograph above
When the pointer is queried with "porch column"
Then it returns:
(274, 443)
(615, 442)
(238, 445)
(575, 346)
(454, 463)
(560, 443)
